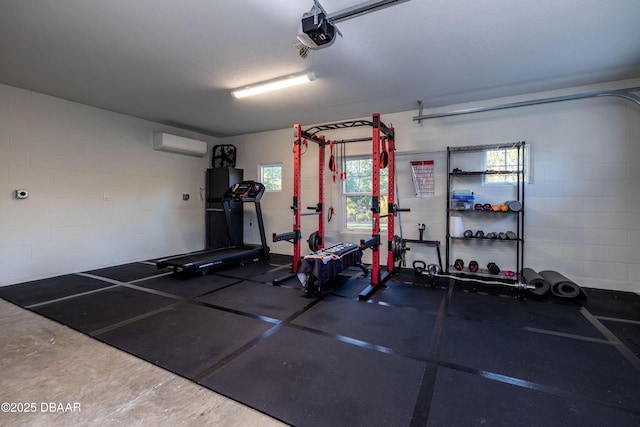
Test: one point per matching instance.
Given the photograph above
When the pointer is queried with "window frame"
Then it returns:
(491, 179)
(261, 173)
(345, 195)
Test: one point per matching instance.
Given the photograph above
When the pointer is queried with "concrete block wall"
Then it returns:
(582, 204)
(71, 157)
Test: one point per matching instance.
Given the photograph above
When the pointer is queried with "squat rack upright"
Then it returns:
(381, 136)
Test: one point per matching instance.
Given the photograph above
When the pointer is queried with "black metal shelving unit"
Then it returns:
(487, 217)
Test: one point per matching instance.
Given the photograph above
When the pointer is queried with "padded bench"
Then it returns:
(318, 270)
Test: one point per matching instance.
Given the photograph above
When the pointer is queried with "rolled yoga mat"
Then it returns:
(560, 285)
(534, 279)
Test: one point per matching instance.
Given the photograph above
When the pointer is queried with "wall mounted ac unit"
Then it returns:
(178, 144)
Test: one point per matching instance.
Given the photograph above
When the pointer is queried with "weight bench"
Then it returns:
(318, 270)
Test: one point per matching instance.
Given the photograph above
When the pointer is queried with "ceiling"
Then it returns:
(175, 62)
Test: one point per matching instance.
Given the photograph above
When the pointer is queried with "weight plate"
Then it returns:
(314, 241)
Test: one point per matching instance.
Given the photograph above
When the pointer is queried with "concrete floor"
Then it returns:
(92, 384)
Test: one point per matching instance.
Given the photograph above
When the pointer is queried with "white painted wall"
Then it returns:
(68, 155)
(583, 203)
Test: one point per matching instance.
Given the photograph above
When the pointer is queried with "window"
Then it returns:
(357, 189)
(504, 159)
(271, 177)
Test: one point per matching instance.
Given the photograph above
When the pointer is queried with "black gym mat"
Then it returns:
(260, 299)
(628, 333)
(38, 291)
(625, 305)
(259, 272)
(521, 313)
(187, 286)
(573, 365)
(280, 259)
(128, 272)
(420, 297)
(89, 313)
(490, 359)
(350, 287)
(186, 339)
(466, 399)
(404, 331)
(310, 380)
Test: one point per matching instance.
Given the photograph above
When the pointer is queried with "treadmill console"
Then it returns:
(245, 191)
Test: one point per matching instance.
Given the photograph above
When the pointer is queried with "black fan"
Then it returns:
(223, 156)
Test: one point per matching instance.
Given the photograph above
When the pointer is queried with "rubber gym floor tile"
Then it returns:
(521, 313)
(189, 286)
(95, 311)
(259, 272)
(405, 331)
(622, 305)
(627, 333)
(465, 399)
(259, 299)
(407, 275)
(186, 339)
(279, 259)
(39, 291)
(128, 272)
(497, 290)
(350, 287)
(309, 380)
(581, 367)
(424, 298)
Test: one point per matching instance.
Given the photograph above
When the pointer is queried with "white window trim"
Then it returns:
(261, 168)
(343, 204)
(526, 168)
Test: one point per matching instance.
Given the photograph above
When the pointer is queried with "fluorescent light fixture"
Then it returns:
(271, 85)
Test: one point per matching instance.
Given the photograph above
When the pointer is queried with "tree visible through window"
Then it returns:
(271, 177)
(357, 190)
(504, 160)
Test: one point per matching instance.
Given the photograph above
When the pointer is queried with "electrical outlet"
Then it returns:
(106, 196)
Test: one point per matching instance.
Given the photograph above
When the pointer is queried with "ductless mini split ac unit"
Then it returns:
(179, 144)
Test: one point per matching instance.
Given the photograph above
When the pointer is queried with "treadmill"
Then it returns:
(238, 252)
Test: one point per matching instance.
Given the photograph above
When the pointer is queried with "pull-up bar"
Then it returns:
(312, 132)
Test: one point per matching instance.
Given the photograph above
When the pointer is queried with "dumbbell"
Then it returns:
(473, 266)
(459, 264)
(493, 268)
